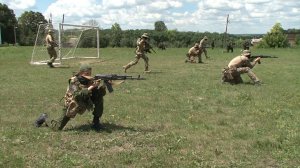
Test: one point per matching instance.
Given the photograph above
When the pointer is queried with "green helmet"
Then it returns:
(85, 67)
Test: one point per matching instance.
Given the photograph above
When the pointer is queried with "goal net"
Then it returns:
(74, 41)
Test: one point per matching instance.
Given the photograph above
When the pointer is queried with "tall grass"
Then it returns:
(180, 116)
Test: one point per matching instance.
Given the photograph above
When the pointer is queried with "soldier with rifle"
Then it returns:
(239, 65)
(202, 46)
(84, 93)
(142, 45)
(51, 44)
(81, 95)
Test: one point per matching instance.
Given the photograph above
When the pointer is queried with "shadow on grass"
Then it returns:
(109, 128)
(61, 66)
(153, 72)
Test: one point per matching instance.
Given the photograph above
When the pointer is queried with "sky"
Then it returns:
(245, 16)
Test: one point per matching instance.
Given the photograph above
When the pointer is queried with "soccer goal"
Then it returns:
(74, 41)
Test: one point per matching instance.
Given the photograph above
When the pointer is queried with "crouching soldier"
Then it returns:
(83, 93)
(193, 53)
(239, 65)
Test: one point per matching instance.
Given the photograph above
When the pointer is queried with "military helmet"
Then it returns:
(85, 67)
(145, 35)
(246, 52)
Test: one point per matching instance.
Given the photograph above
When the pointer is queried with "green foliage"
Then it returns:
(298, 39)
(89, 39)
(180, 116)
(160, 26)
(276, 38)
(8, 22)
(28, 26)
(116, 35)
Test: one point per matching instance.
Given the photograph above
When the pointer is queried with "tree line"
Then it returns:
(24, 29)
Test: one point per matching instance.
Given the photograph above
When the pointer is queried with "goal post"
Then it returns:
(74, 41)
(78, 41)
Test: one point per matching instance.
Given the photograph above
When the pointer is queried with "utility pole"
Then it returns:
(0, 36)
(225, 34)
(15, 27)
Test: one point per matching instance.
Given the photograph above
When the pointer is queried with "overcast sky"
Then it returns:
(245, 16)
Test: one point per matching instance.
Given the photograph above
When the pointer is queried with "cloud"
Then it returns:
(19, 4)
(245, 16)
(74, 10)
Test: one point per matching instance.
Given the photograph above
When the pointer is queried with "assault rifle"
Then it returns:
(107, 78)
(149, 48)
(253, 57)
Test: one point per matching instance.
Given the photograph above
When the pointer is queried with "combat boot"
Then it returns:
(257, 83)
(64, 122)
(96, 124)
(40, 121)
(50, 64)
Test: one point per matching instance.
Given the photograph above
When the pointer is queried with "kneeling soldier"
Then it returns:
(239, 65)
(82, 94)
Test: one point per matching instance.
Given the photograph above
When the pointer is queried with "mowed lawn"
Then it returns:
(180, 116)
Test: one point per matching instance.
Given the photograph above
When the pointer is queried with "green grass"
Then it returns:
(180, 116)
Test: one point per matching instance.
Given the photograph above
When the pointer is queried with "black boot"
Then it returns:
(96, 124)
(64, 122)
(50, 64)
(42, 118)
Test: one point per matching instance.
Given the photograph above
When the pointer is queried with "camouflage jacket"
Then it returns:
(79, 93)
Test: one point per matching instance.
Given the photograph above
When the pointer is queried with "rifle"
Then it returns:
(148, 47)
(253, 57)
(109, 77)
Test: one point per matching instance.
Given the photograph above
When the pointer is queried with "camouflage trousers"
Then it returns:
(233, 75)
(137, 58)
(70, 110)
(52, 54)
(203, 50)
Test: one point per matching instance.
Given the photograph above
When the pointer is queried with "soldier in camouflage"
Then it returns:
(142, 42)
(193, 53)
(83, 93)
(51, 44)
(239, 65)
(202, 46)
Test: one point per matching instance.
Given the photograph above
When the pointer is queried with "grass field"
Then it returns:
(180, 116)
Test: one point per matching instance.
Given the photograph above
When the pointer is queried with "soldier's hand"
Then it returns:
(97, 83)
(257, 59)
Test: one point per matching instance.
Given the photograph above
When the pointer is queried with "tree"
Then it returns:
(28, 26)
(116, 35)
(160, 26)
(276, 37)
(8, 23)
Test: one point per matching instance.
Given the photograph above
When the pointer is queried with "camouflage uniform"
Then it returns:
(202, 46)
(237, 66)
(51, 44)
(246, 45)
(140, 53)
(193, 53)
(229, 46)
(77, 100)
